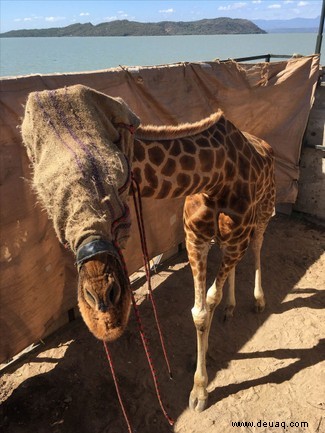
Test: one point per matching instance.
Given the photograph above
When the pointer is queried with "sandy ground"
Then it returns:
(267, 369)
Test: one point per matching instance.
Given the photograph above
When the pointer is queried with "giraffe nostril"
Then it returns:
(113, 295)
(90, 298)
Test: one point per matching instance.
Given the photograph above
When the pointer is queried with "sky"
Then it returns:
(24, 14)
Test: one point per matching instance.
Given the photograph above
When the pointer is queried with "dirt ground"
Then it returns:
(267, 369)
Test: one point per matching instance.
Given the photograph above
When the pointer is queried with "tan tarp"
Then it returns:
(38, 277)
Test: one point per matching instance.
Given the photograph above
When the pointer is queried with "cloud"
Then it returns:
(274, 6)
(49, 19)
(84, 14)
(232, 6)
(166, 11)
(54, 19)
(257, 1)
(121, 15)
(23, 19)
(112, 18)
(302, 3)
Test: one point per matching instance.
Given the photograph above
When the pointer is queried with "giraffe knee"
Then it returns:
(214, 296)
(200, 318)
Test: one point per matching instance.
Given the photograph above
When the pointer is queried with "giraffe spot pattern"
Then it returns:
(222, 126)
(196, 180)
(220, 158)
(150, 175)
(232, 152)
(203, 142)
(217, 138)
(238, 204)
(147, 191)
(206, 157)
(169, 167)
(139, 151)
(183, 180)
(165, 189)
(176, 149)
(230, 170)
(137, 175)
(219, 161)
(187, 162)
(156, 155)
(189, 146)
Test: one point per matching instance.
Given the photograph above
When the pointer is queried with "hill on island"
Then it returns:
(132, 28)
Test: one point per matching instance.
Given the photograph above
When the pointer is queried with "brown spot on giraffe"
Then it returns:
(206, 157)
(187, 163)
(169, 168)
(165, 189)
(156, 155)
(150, 176)
(139, 153)
(175, 149)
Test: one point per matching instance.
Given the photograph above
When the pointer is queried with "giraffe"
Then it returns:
(80, 143)
(227, 179)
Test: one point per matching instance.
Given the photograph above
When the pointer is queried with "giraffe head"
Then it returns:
(80, 143)
(104, 295)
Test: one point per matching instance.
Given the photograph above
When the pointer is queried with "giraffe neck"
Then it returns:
(176, 167)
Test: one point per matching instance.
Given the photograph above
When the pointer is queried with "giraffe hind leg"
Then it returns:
(231, 298)
(256, 243)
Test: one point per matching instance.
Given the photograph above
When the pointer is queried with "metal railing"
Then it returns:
(266, 57)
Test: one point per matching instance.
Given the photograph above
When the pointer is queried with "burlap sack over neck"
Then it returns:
(80, 155)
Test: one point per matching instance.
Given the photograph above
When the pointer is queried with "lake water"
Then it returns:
(23, 56)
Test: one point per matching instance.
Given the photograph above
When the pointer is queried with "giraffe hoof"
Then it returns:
(259, 306)
(197, 404)
(229, 312)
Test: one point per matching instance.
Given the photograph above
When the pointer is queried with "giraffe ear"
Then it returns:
(132, 118)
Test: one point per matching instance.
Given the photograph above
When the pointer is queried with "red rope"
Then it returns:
(109, 357)
(139, 213)
(145, 343)
(144, 339)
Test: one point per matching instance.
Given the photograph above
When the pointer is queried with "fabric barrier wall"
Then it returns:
(38, 276)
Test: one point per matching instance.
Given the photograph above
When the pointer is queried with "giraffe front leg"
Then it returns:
(199, 395)
(203, 318)
(197, 253)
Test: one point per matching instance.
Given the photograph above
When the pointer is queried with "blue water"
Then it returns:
(23, 56)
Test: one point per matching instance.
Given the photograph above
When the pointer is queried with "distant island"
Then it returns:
(216, 26)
